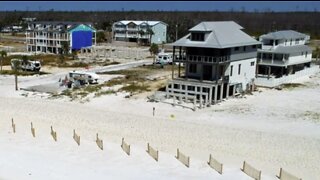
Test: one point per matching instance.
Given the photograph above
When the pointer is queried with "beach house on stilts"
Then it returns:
(283, 58)
(219, 61)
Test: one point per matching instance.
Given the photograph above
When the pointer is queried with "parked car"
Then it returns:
(89, 77)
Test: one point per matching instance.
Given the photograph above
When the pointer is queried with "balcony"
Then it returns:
(120, 28)
(119, 35)
(202, 59)
(41, 37)
(132, 29)
(272, 62)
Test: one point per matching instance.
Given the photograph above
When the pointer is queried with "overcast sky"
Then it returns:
(159, 5)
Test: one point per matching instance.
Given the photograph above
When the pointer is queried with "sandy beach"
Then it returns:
(269, 129)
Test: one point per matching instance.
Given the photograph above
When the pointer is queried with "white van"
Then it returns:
(164, 58)
(28, 66)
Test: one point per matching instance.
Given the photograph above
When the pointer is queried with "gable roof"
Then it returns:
(59, 22)
(219, 34)
(81, 27)
(151, 23)
(284, 34)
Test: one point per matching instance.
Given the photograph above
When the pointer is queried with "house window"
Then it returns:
(193, 68)
(231, 69)
(239, 69)
(254, 46)
(244, 48)
(252, 63)
(290, 42)
(236, 49)
(197, 36)
(306, 54)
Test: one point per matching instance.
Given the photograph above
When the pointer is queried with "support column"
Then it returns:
(174, 48)
(180, 97)
(200, 97)
(179, 72)
(201, 71)
(167, 91)
(269, 71)
(227, 93)
(257, 69)
(217, 74)
(210, 96)
(221, 92)
(215, 94)
(234, 91)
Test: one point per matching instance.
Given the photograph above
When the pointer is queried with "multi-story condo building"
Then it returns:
(219, 61)
(49, 36)
(282, 57)
(139, 31)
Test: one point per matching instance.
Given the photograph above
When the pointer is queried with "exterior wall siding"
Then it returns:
(160, 33)
(299, 59)
(250, 52)
(247, 72)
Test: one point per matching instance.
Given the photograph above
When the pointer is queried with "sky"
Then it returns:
(160, 5)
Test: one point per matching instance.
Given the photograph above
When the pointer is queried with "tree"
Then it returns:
(65, 47)
(3, 54)
(141, 33)
(24, 60)
(74, 54)
(101, 37)
(154, 49)
(150, 32)
(15, 68)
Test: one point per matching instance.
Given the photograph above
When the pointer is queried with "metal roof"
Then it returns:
(288, 49)
(151, 23)
(59, 22)
(285, 34)
(219, 34)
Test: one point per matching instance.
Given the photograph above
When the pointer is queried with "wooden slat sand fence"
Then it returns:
(214, 164)
(283, 175)
(99, 142)
(183, 158)
(33, 131)
(251, 171)
(13, 126)
(53, 134)
(76, 137)
(125, 147)
(152, 152)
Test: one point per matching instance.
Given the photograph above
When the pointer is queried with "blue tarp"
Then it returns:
(81, 39)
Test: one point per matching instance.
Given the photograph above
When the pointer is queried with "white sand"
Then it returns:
(268, 129)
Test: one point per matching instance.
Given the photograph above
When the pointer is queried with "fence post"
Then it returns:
(279, 173)
(33, 130)
(53, 134)
(13, 126)
(99, 142)
(76, 137)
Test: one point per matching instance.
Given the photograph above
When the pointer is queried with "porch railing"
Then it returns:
(202, 59)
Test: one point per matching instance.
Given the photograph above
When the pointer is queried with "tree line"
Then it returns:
(255, 23)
